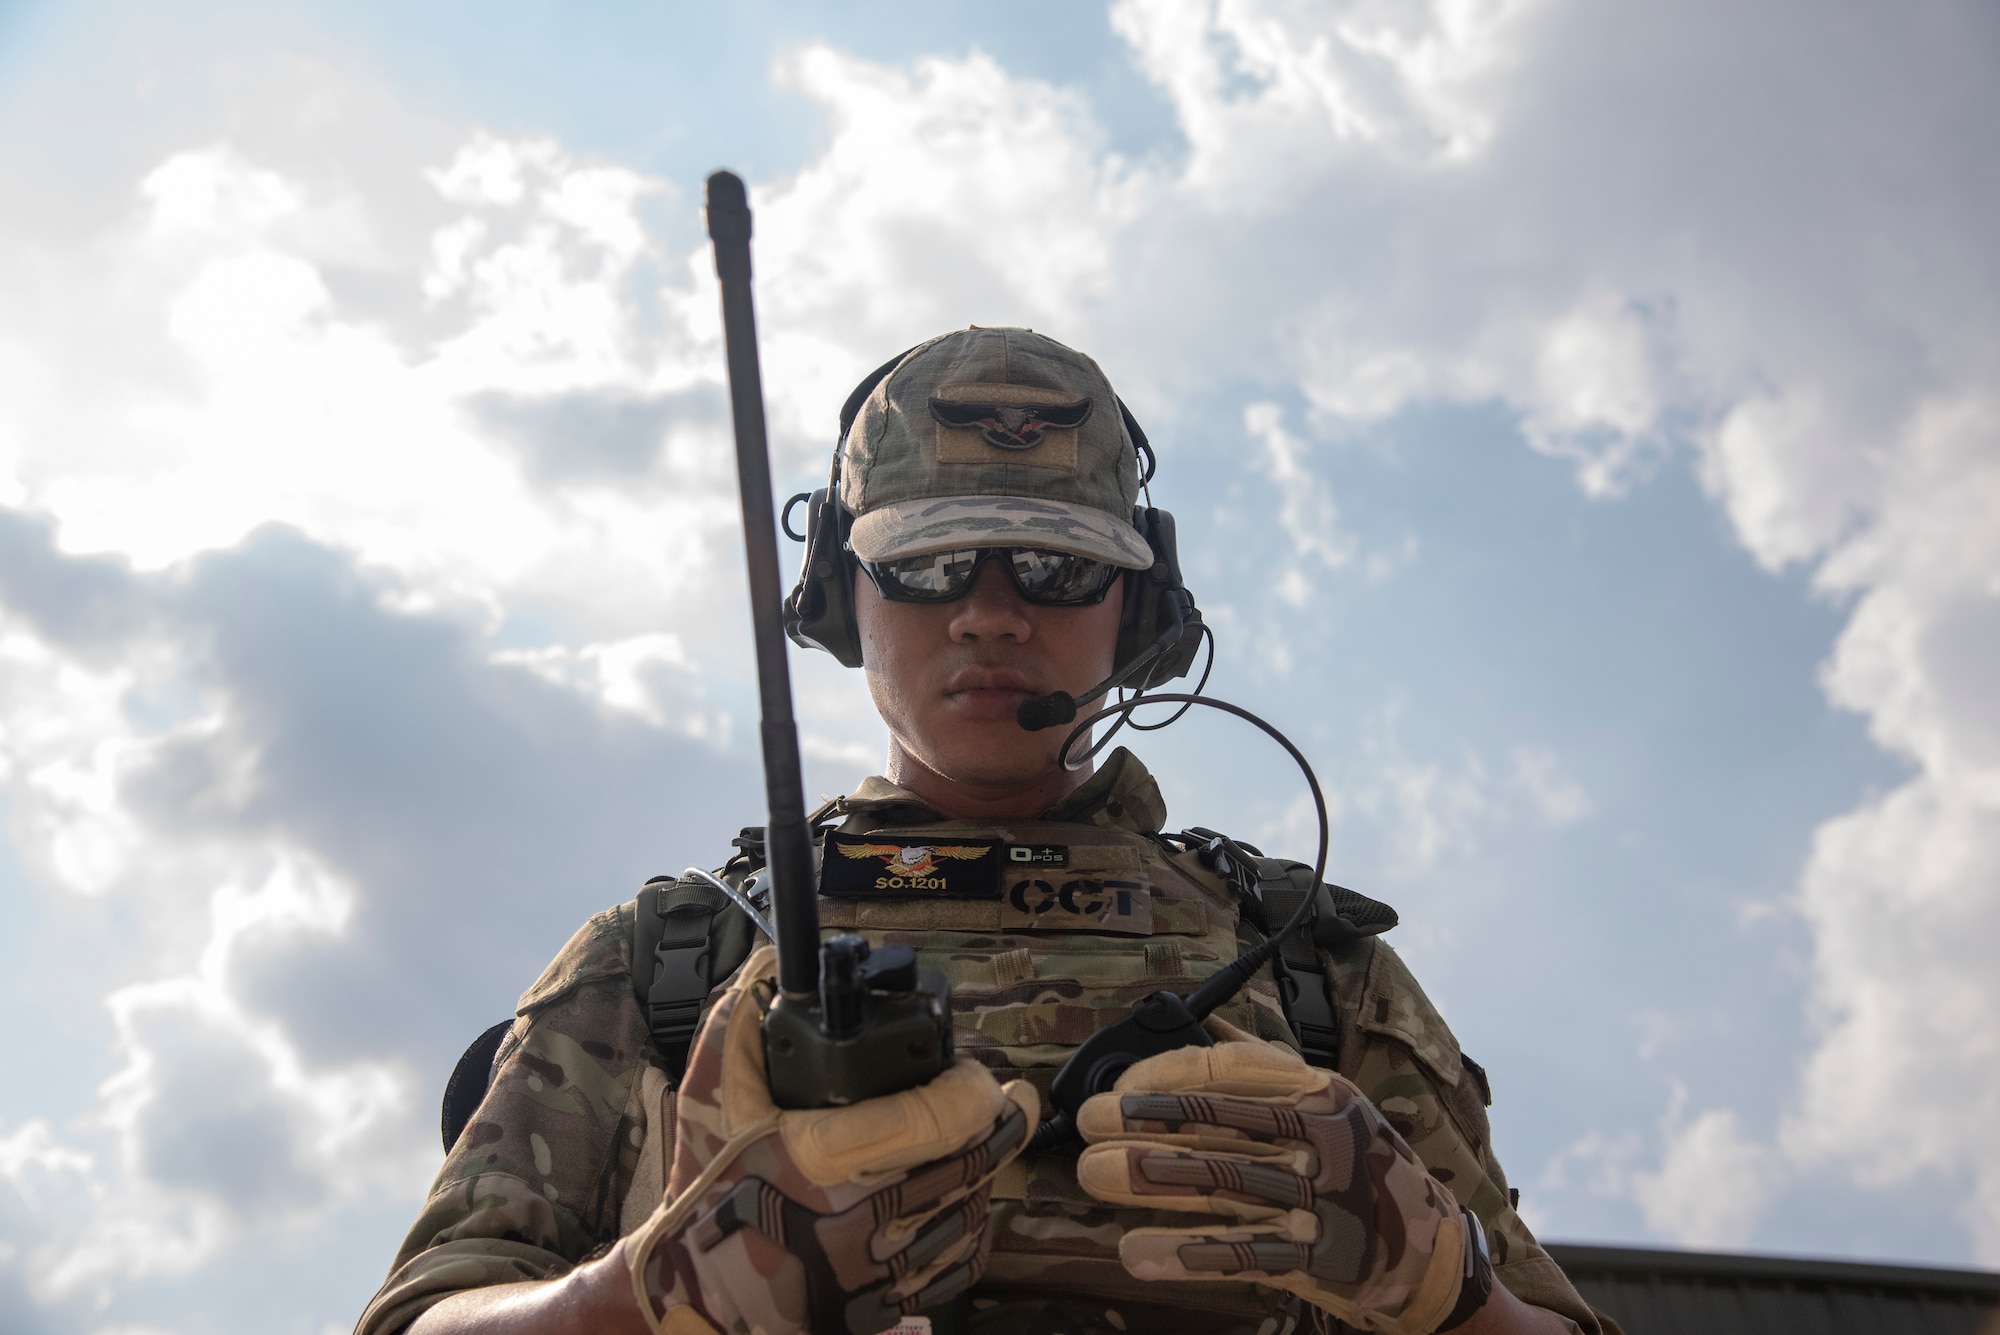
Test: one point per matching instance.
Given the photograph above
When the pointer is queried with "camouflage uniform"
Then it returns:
(571, 1147)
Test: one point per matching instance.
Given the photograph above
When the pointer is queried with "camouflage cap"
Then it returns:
(987, 438)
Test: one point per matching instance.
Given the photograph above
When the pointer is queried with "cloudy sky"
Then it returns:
(1581, 418)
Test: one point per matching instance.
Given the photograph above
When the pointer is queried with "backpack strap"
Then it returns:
(1270, 891)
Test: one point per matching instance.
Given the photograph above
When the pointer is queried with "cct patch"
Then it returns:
(1090, 902)
(856, 867)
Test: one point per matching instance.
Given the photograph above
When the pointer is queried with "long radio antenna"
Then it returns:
(787, 842)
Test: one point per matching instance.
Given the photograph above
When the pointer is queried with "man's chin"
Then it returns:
(994, 754)
(997, 781)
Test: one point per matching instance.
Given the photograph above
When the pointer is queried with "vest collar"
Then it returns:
(1121, 795)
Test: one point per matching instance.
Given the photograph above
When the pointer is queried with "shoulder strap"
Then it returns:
(1270, 890)
(687, 937)
(670, 963)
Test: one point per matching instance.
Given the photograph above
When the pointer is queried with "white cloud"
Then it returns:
(1712, 1184)
(648, 675)
(211, 1121)
(64, 750)
(1551, 792)
(1431, 807)
(1426, 810)
(286, 406)
(1709, 1188)
(1768, 463)
(1368, 386)
(37, 1166)
(1306, 509)
(1271, 90)
(222, 1117)
(1827, 353)
(951, 192)
(1904, 1082)
(1594, 397)
(1595, 1162)
(1900, 893)
(1431, 810)
(240, 379)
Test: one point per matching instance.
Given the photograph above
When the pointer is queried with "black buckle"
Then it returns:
(673, 1004)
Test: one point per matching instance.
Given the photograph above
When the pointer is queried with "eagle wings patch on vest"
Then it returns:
(857, 866)
(903, 860)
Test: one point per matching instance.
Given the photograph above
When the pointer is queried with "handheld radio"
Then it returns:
(847, 1023)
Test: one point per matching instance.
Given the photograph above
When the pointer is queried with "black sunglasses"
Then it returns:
(1052, 579)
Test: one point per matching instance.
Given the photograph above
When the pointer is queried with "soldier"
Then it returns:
(978, 549)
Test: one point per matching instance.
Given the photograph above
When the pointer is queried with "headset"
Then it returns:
(1159, 632)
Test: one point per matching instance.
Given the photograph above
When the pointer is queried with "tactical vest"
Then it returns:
(1089, 921)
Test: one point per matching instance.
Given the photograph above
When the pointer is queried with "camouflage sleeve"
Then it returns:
(538, 1178)
(1396, 1048)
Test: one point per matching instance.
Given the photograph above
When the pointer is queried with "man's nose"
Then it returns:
(992, 609)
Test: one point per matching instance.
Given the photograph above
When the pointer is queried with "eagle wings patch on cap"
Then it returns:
(1011, 426)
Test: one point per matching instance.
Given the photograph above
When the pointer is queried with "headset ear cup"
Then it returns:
(843, 632)
(1154, 599)
(1179, 660)
(1134, 618)
(819, 614)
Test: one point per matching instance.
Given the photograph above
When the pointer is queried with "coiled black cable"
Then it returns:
(1227, 981)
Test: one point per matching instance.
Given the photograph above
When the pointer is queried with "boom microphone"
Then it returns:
(1057, 707)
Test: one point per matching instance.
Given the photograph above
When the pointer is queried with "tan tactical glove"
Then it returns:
(833, 1218)
(1320, 1196)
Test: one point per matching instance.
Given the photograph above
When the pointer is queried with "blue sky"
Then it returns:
(1579, 420)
